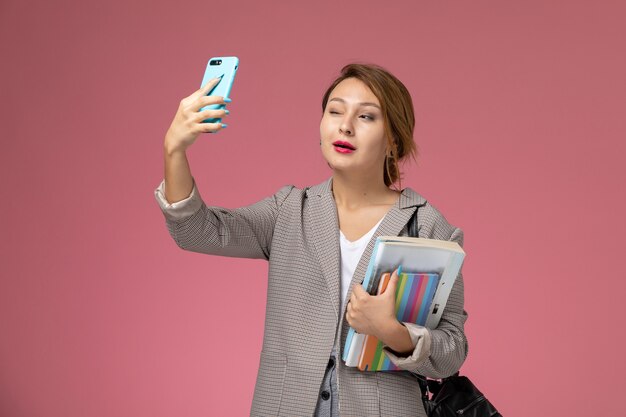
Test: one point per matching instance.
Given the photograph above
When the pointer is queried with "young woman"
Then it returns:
(318, 241)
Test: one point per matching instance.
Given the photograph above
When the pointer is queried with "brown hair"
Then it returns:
(397, 109)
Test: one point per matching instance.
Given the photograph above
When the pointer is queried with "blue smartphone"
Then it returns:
(225, 66)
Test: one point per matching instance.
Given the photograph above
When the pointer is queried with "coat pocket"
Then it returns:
(400, 394)
(268, 390)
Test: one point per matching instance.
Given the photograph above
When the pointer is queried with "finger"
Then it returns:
(358, 290)
(209, 127)
(393, 278)
(397, 272)
(209, 114)
(202, 101)
(204, 90)
(393, 282)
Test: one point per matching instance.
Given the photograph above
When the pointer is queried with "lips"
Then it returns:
(343, 145)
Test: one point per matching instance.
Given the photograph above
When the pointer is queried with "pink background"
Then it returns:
(521, 128)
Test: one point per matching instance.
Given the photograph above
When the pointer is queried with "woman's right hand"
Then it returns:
(187, 123)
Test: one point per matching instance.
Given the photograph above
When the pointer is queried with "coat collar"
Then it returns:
(324, 228)
(408, 197)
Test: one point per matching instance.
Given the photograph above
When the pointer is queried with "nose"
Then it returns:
(346, 126)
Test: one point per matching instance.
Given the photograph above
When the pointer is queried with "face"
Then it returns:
(352, 129)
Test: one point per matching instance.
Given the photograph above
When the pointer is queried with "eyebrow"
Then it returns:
(360, 104)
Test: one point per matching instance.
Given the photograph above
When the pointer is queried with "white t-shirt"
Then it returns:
(351, 253)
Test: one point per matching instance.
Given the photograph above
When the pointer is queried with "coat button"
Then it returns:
(331, 363)
(325, 395)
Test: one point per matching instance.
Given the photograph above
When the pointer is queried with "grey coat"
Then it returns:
(297, 231)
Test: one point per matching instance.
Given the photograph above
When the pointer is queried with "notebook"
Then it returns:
(414, 296)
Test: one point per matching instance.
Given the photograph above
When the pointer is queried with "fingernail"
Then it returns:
(227, 100)
(218, 77)
(227, 111)
(399, 270)
(224, 125)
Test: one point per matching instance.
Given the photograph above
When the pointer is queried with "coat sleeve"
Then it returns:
(244, 232)
(439, 352)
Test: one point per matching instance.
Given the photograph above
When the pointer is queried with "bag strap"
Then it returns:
(412, 228)
(413, 231)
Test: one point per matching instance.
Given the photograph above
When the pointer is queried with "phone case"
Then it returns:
(217, 66)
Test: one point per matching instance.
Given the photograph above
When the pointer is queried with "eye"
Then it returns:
(367, 116)
(333, 112)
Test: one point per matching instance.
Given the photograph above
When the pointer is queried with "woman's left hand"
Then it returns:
(373, 314)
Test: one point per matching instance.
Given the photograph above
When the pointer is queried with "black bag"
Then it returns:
(454, 395)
